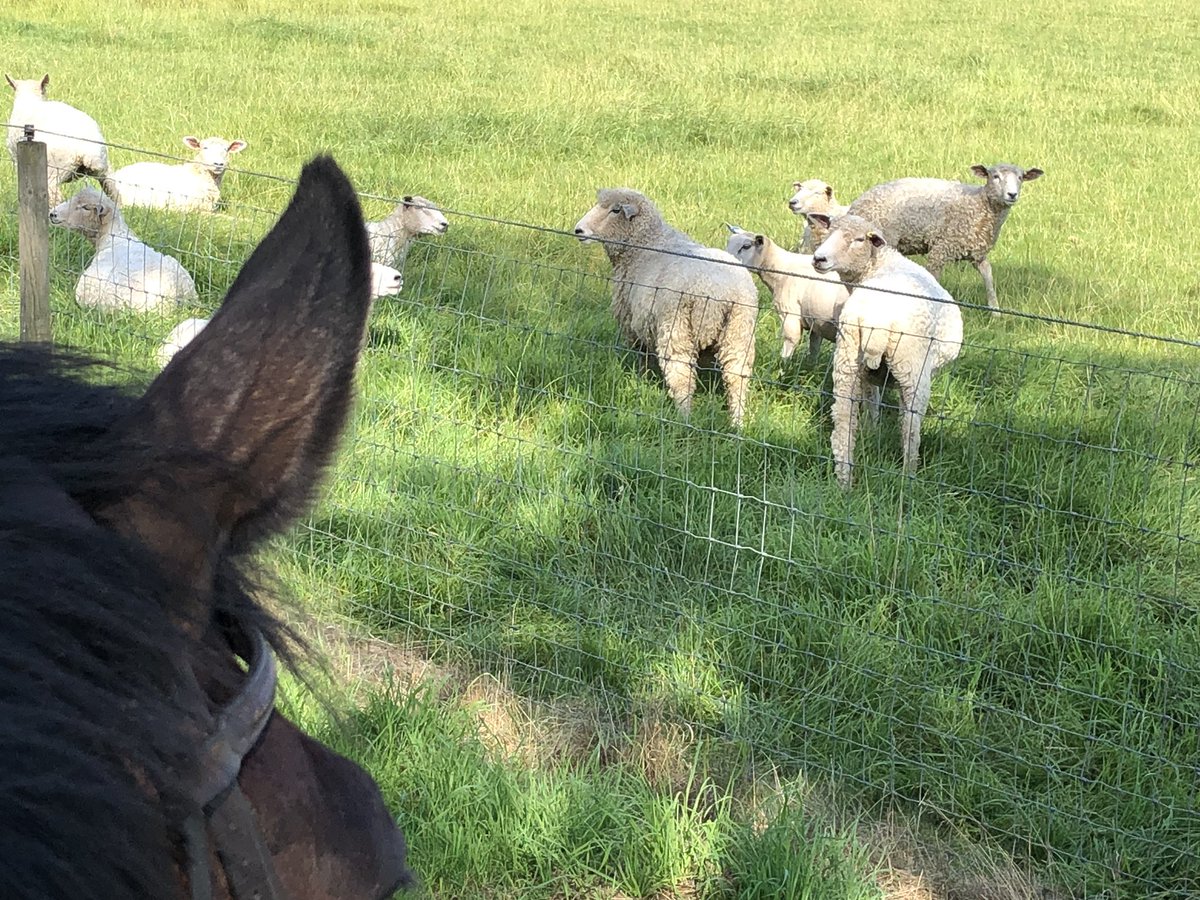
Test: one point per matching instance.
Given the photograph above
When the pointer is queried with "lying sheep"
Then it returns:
(947, 220)
(903, 337)
(805, 299)
(385, 281)
(74, 145)
(194, 185)
(392, 237)
(124, 273)
(813, 196)
(675, 306)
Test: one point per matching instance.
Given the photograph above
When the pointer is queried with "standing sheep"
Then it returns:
(74, 145)
(898, 325)
(813, 196)
(194, 185)
(947, 220)
(678, 303)
(391, 237)
(124, 273)
(805, 299)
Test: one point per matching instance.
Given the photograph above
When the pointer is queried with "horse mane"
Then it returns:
(97, 751)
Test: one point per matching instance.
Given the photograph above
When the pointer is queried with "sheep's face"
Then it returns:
(608, 218)
(35, 86)
(213, 153)
(849, 249)
(747, 247)
(1004, 181)
(385, 281)
(422, 217)
(87, 212)
(811, 196)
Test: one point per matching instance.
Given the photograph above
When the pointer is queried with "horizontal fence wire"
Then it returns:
(1008, 637)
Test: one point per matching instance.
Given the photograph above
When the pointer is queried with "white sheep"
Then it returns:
(74, 145)
(181, 335)
(124, 273)
(391, 237)
(805, 299)
(947, 220)
(813, 196)
(673, 305)
(194, 185)
(898, 325)
(385, 281)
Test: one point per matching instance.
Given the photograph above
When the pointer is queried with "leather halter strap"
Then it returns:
(223, 810)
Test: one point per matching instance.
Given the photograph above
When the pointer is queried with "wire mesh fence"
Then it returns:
(1009, 637)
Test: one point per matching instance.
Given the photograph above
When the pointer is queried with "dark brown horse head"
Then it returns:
(138, 756)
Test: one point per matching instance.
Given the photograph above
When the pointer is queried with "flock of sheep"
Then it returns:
(851, 281)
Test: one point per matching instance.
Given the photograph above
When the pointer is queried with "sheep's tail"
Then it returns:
(871, 341)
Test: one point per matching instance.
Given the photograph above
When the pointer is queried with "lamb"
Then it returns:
(672, 305)
(805, 299)
(392, 237)
(385, 281)
(813, 196)
(194, 185)
(124, 273)
(904, 337)
(947, 220)
(74, 145)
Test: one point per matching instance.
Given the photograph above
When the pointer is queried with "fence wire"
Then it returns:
(1008, 637)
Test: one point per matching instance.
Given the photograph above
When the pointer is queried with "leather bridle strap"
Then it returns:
(223, 809)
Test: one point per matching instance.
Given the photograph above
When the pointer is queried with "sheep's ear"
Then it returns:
(796, 185)
(230, 439)
(818, 219)
(876, 239)
(45, 81)
(758, 240)
(407, 200)
(981, 171)
(734, 229)
(629, 210)
(237, 146)
(191, 142)
(829, 191)
(1032, 174)
(12, 84)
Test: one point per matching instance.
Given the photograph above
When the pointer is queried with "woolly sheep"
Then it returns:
(74, 145)
(904, 337)
(392, 237)
(385, 281)
(947, 220)
(194, 185)
(671, 305)
(805, 299)
(124, 273)
(813, 196)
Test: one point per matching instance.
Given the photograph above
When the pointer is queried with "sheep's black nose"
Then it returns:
(1012, 195)
(579, 231)
(818, 259)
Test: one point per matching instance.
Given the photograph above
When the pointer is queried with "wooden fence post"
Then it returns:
(34, 238)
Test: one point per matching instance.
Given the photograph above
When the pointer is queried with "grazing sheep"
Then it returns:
(805, 299)
(813, 196)
(181, 335)
(385, 281)
(947, 220)
(124, 273)
(74, 145)
(672, 305)
(904, 337)
(194, 185)
(392, 237)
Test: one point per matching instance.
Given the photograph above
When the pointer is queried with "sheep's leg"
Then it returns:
(915, 401)
(814, 348)
(847, 396)
(874, 395)
(985, 269)
(677, 356)
(735, 374)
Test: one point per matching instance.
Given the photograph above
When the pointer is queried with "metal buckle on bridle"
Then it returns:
(223, 809)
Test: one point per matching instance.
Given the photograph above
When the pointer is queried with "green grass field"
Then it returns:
(714, 674)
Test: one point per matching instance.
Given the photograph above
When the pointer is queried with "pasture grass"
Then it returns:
(1006, 643)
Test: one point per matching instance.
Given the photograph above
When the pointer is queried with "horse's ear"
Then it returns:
(232, 436)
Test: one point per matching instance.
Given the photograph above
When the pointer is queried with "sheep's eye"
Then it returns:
(615, 210)
(859, 239)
